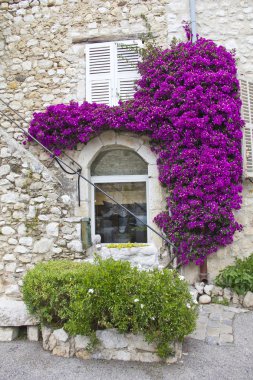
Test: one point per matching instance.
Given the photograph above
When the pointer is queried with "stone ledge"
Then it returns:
(113, 345)
(143, 257)
(14, 314)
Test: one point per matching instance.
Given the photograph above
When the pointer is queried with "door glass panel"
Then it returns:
(116, 225)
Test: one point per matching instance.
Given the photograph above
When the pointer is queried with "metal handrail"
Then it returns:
(77, 172)
(32, 137)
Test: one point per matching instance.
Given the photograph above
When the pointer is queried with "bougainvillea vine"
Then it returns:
(187, 101)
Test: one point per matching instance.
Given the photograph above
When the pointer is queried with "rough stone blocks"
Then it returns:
(33, 333)
(8, 334)
(113, 345)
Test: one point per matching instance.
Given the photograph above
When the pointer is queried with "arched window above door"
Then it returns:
(118, 161)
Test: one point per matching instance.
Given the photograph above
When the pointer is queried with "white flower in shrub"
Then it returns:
(91, 291)
(136, 300)
(188, 305)
(142, 306)
(153, 318)
(181, 278)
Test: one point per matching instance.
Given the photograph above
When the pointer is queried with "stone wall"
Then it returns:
(112, 345)
(35, 222)
(205, 294)
(227, 22)
(241, 247)
(43, 44)
(42, 52)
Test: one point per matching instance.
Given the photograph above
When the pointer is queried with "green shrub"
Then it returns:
(84, 297)
(238, 277)
(218, 301)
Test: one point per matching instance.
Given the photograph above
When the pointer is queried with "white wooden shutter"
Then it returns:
(246, 88)
(111, 71)
(248, 150)
(99, 73)
(126, 70)
(247, 100)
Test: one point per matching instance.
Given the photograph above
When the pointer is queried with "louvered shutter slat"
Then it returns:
(246, 88)
(99, 60)
(100, 92)
(247, 100)
(126, 89)
(99, 73)
(250, 85)
(127, 57)
(248, 150)
(127, 68)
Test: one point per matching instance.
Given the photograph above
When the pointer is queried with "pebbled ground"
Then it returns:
(23, 360)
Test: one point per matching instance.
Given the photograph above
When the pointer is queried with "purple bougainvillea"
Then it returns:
(187, 101)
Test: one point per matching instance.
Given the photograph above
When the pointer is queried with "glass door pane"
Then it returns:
(113, 223)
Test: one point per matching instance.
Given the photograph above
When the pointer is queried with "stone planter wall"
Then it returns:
(232, 297)
(143, 257)
(127, 347)
(205, 294)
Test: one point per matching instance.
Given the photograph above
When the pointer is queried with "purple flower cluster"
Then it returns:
(187, 101)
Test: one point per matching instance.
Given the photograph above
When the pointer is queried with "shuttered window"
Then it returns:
(111, 71)
(247, 114)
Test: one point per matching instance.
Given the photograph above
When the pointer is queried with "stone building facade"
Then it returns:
(42, 50)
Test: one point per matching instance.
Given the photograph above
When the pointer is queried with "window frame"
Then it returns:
(115, 179)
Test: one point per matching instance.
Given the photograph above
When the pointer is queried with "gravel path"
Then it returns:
(23, 360)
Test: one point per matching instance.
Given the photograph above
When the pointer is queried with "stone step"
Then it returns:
(8, 334)
(14, 313)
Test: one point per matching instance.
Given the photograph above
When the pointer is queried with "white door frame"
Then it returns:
(115, 179)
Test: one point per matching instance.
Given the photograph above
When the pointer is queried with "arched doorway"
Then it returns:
(110, 140)
(123, 174)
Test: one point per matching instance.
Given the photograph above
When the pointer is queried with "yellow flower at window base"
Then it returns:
(125, 245)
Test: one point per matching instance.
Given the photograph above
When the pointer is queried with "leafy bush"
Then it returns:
(238, 277)
(84, 297)
(218, 301)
